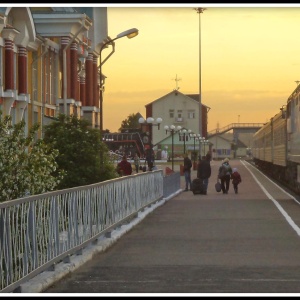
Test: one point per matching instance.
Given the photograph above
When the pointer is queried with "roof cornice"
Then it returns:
(60, 24)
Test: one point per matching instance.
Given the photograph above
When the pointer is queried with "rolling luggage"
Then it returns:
(218, 186)
(197, 186)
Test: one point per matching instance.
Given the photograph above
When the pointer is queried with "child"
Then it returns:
(236, 179)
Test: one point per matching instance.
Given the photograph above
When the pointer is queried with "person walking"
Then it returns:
(225, 172)
(236, 179)
(187, 166)
(136, 160)
(149, 158)
(204, 172)
(124, 167)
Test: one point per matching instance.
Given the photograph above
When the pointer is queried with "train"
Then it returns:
(276, 145)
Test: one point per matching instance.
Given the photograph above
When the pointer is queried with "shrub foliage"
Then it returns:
(82, 155)
(27, 166)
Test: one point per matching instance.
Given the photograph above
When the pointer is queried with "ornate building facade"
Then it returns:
(49, 63)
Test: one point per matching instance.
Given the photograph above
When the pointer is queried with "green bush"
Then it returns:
(82, 155)
(27, 167)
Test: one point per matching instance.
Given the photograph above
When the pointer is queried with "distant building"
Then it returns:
(176, 108)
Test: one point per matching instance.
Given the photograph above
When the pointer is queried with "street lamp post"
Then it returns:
(172, 129)
(200, 139)
(195, 137)
(184, 133)
(205, 142)
(149, 122)
(130, 33)
(200, 10)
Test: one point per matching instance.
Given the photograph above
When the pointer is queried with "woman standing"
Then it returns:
(136, 160)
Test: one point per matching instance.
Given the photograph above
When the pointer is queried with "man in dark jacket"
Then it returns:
(124, 167)
(187, 166)
(204, 171)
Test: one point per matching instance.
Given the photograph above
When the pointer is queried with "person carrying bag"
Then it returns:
(225, 172)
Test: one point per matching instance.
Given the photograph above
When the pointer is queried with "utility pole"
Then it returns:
(200, 10)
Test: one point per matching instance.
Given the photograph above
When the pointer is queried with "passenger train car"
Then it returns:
(276, 146)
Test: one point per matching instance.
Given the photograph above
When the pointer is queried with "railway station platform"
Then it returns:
(215, 244)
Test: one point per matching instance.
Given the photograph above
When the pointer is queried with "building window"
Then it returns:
(171, 113)
(191, 114)
(183, 137)
(50, 77)
(34, 75)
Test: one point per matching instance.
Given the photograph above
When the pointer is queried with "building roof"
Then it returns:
(194, 97)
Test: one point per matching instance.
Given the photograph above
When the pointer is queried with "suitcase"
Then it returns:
(197, 186)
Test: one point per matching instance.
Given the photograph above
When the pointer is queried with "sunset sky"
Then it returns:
(249, 67)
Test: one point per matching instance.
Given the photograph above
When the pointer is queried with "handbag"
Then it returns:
(218, 186)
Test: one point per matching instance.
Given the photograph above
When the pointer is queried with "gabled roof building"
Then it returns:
(176, 108)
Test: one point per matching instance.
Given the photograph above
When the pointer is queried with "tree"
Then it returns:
(80, 148)
(27, 167)
(131, 122)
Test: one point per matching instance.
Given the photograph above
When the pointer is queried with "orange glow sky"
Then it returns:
(250, 59)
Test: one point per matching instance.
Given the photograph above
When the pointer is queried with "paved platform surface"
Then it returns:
(214, 244)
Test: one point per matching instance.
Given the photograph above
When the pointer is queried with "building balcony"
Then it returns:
(178, 120)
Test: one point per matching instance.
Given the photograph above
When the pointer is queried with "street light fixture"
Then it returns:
(172, 129)
(183, 133)
(204, 142)
(195, 137)
(200, 10)
(149, 123)
(201, 140)
(130, 33)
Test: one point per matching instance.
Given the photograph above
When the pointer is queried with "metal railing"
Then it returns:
(39, 231)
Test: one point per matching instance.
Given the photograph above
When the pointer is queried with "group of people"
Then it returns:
(124, 167)
(203, 172)
(225, 174)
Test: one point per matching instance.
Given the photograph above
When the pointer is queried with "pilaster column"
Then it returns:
(9, 65)
(89, 79)
(64, 42)
(95, 83)
(82, 91)
(22, 70)
(73, 69)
